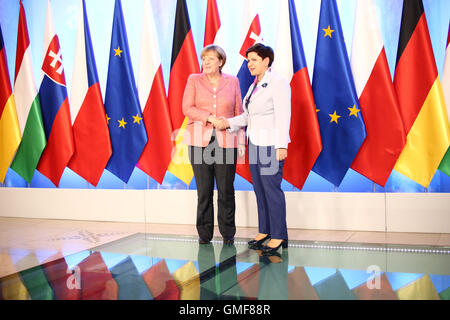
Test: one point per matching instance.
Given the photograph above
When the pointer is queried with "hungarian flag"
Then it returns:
(212, 24)
(420, 97)
(28, 106)
(379, 105)
(290, 62)
(124, 114)
(445, 163)
(338, 111)
(184, 62)
(55, 108)
(9, 124)
(152, 94)
(251, 33)
(90, 130)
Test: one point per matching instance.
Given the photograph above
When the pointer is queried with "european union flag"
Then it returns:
(123, 111)
(338, 111)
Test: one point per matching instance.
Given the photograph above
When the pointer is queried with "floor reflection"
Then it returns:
(146, 266)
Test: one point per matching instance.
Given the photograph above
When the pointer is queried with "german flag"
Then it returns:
(9, 124)
(421, 99)
(184, 62)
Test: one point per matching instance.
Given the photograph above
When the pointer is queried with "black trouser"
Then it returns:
(209, 163)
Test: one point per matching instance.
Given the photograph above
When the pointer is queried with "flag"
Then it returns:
(131, 284)
(9, 124)
(251, 34)
(28, 106)
(379, 105)
(338, 111)
(212, 24)
(65, 283)
(160, 282)
(55, 108)
(420, 97)
(97, 283)
(90, 130)
(124, 115)
(152, 94)
(184, 62)
(290, 62)
(445, 163)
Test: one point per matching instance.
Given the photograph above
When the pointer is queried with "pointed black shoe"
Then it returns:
(257, 244)
(266, 250)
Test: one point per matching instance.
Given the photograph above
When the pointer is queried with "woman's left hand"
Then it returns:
(281, 154)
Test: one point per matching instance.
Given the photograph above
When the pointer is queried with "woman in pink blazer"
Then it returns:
(209, 96)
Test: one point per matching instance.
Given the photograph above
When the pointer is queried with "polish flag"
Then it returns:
(55, 108)
(379, 105)
(90, 128)
(152, 94)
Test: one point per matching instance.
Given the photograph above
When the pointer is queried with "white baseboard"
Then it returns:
(392, 212)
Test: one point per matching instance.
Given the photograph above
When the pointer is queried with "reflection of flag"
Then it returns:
(160, 282)
(184, 62)
(97, 283)
(157, 153)
(379, 106)
(131, 285)
(420, 98)
(445, 163)
(9, 124)
(90, 130)
(55, 108)
(37, 284)
(212, 24)
(128, 136)
(251, 33)
(290, 62)
(28, 106)
(61, 279)
(340, 120)
(188, 280)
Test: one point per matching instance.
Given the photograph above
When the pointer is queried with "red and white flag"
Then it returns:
(152, 94)
(379, 105)
(90, 128)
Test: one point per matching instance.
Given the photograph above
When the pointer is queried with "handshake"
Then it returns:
(219, 123)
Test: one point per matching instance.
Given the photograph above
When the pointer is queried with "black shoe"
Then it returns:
(228, 241)
(201, 241)
(257, 244)
(266, 250)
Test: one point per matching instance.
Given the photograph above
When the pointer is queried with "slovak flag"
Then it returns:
(90, 129)
(55, 108)
(290, 63)
(252, 35)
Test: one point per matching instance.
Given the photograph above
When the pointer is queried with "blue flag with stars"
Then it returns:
(123, 110)
(338, 111)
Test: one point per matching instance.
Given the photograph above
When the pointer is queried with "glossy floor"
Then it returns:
(169, 266)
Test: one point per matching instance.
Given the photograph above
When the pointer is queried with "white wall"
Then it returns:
(392, 212)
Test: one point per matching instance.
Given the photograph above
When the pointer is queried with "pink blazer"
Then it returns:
(200, 100)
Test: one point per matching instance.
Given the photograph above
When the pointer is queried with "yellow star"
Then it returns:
(354, 111)
(118, 51)
(107, 119)
(328, 32)
(137, 119)
(122, 123)
(334, 117)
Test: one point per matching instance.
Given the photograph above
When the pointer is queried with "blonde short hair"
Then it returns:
(219, 52)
